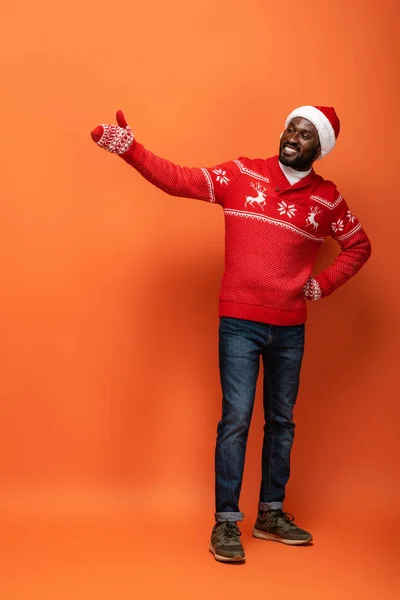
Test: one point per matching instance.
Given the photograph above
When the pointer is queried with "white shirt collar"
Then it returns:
(292, 175)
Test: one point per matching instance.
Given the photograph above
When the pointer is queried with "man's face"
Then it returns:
(299, 146)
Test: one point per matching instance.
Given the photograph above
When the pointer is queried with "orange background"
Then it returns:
(110, 385)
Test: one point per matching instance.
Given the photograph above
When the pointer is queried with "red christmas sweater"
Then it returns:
(273, 231)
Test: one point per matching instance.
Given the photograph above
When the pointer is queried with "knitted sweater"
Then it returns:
(273, 231)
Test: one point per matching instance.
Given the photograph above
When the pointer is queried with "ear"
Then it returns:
(318, 154)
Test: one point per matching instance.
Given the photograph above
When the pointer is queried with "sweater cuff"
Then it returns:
(325, 283)
(132, 155)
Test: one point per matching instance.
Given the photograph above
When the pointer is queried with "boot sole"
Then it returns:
(237, 558)
(272, 537)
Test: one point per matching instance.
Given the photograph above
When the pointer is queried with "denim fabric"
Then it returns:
(241, 344)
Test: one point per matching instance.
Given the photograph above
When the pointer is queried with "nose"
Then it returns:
(293, 137)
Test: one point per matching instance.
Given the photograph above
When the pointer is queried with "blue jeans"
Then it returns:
(241, 344)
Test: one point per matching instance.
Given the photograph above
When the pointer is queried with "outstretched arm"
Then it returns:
(171, 178)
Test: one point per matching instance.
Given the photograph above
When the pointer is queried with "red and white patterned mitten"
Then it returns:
(114, 138)
(312, 291)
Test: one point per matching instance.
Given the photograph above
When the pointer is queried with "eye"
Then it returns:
(306, 136)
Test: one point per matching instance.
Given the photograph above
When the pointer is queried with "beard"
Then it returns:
(298, 162)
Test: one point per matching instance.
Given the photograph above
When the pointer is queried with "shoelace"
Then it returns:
(287, 517)
(231, 530)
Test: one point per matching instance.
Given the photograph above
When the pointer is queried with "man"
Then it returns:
(277, 213)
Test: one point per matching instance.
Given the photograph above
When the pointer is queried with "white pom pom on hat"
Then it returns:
(325, 121)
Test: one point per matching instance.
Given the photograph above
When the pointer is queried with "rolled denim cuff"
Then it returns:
(229, 516)
(265, 506)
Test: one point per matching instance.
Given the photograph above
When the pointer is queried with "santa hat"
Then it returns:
(325, 121)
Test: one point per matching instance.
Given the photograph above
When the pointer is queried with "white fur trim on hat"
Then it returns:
(321, 123)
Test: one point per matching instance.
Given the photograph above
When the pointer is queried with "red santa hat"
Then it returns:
(325, 121)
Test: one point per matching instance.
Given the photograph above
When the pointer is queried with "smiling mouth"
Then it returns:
(290, 150)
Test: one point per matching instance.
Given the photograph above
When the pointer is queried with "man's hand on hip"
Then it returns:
(312, 291)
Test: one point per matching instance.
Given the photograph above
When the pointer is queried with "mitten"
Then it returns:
(114, 138)
(312, 291)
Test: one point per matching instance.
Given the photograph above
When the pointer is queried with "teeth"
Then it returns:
(290, 150)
